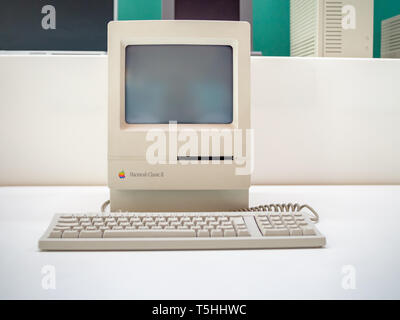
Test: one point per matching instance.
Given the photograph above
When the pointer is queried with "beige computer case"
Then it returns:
(331, 28)
(174, 186)
(390, 45)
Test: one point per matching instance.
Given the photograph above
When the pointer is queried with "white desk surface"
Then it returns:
(361, 223)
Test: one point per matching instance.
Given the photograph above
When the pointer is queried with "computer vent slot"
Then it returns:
(333, 43)
(303, 28)
(390, 47)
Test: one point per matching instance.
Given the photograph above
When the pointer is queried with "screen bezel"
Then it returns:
(181, 41)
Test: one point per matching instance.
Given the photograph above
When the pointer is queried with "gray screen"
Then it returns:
(185, 83)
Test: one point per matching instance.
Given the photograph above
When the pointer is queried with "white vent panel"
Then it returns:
(390, 47)
(303, 27)
(333, 37)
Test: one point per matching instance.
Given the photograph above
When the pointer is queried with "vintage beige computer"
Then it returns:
(194, 74)
(180, 148)
(390, 41)
(331, 28)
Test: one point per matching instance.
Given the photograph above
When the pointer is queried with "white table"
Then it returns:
(361, 223)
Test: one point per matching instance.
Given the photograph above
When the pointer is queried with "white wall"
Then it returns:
(53, 120)
(316, 121)
(326, 121)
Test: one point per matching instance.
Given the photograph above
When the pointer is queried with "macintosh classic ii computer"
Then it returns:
(180, 148)
(173, 83)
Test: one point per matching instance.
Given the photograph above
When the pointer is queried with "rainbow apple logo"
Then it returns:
(121, 175)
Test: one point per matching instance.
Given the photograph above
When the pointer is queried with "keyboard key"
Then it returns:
(70, 234)
(226, 223)
(148, 233)
(216, 233)
(86, 224)
(203, 233)
(237, 220)
(229, 233)
(296, 232)
(69, 220)
(243, 233)
(275, 232)
(72, 224)
(189, 224)
(90, 234)
(55, 234)
(56, 228)
(308, 231)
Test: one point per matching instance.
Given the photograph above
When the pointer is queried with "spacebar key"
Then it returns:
(148, 233)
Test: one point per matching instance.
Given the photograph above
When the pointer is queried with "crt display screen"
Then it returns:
(190, 84)
(207, 9)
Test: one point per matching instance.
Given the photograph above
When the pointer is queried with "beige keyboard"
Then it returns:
(174, 231)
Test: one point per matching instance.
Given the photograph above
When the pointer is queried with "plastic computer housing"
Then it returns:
(175, 185)
(331, 28)
(390, 43)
